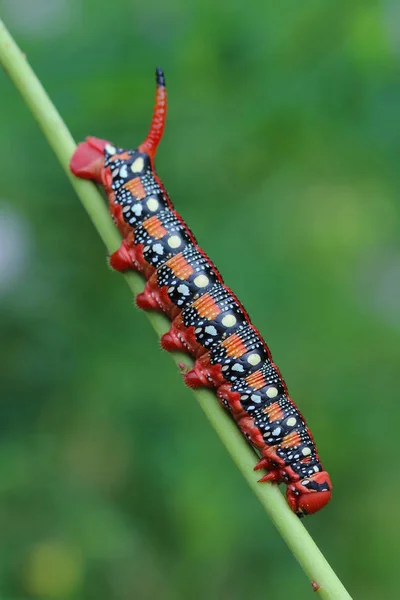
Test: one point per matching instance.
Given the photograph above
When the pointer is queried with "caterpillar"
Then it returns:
(208, 321)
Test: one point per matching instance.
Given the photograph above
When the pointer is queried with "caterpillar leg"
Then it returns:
(155, 298)
(194, 380)
(231, 401)
(121, 260)
(252, 433)
(273, 464)
(273, 475)
(183, 338)
(171, 342)
(263, 463)
(146, 300)
(204, 374)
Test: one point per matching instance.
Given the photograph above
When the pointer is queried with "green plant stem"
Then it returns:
(290, 527)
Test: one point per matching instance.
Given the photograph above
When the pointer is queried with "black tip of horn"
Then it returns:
(160, 79)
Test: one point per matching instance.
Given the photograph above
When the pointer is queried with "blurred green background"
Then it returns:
(281, 152)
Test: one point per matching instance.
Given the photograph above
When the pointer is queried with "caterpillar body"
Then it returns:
(208, 321)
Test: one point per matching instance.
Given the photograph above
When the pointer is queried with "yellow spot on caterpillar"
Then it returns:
(228, 321)
(152, 204)
(137, 165)
(254, 359)
(201, 281)
(174, 241)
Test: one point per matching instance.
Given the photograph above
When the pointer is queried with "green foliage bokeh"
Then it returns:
(281, 153)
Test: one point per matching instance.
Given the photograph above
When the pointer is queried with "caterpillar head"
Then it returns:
(88, 159)
(310, 494)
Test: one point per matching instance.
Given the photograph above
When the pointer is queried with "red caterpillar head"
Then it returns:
(310, 494)
(88, 159)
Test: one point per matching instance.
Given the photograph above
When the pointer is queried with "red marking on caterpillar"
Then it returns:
(208, 321)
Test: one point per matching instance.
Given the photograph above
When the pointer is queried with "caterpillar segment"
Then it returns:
(240, 353)
(205, 323)
(208, 321)
(178, 282)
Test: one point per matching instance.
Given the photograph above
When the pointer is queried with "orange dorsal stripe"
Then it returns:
(274, 412)
(180, 267)
(135, 187)
(293, 439)
(206, 307)
(234, 346)
(122, 156)
(155, 228)
(256, 380)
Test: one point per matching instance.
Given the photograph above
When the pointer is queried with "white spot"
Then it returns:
(201, 281)
(152, 204)
(237, 367)
(272, 392)
(123, 172)
(244, 397)
(137, 209)
(305, 481)
(197, 330)
(210, 329)
(110, 149)
(225, 368)
(255, 398)
(115, 172)
(316, 469)
(137, 165)
(228, 321)
(306, 451)
(291, 422)
(276, 431)
(254, 359)
(170, 289)
(126, 208)
(183, 289)
(174, 241)
(158, 248)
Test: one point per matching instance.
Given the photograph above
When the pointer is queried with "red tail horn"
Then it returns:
(159, 115)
